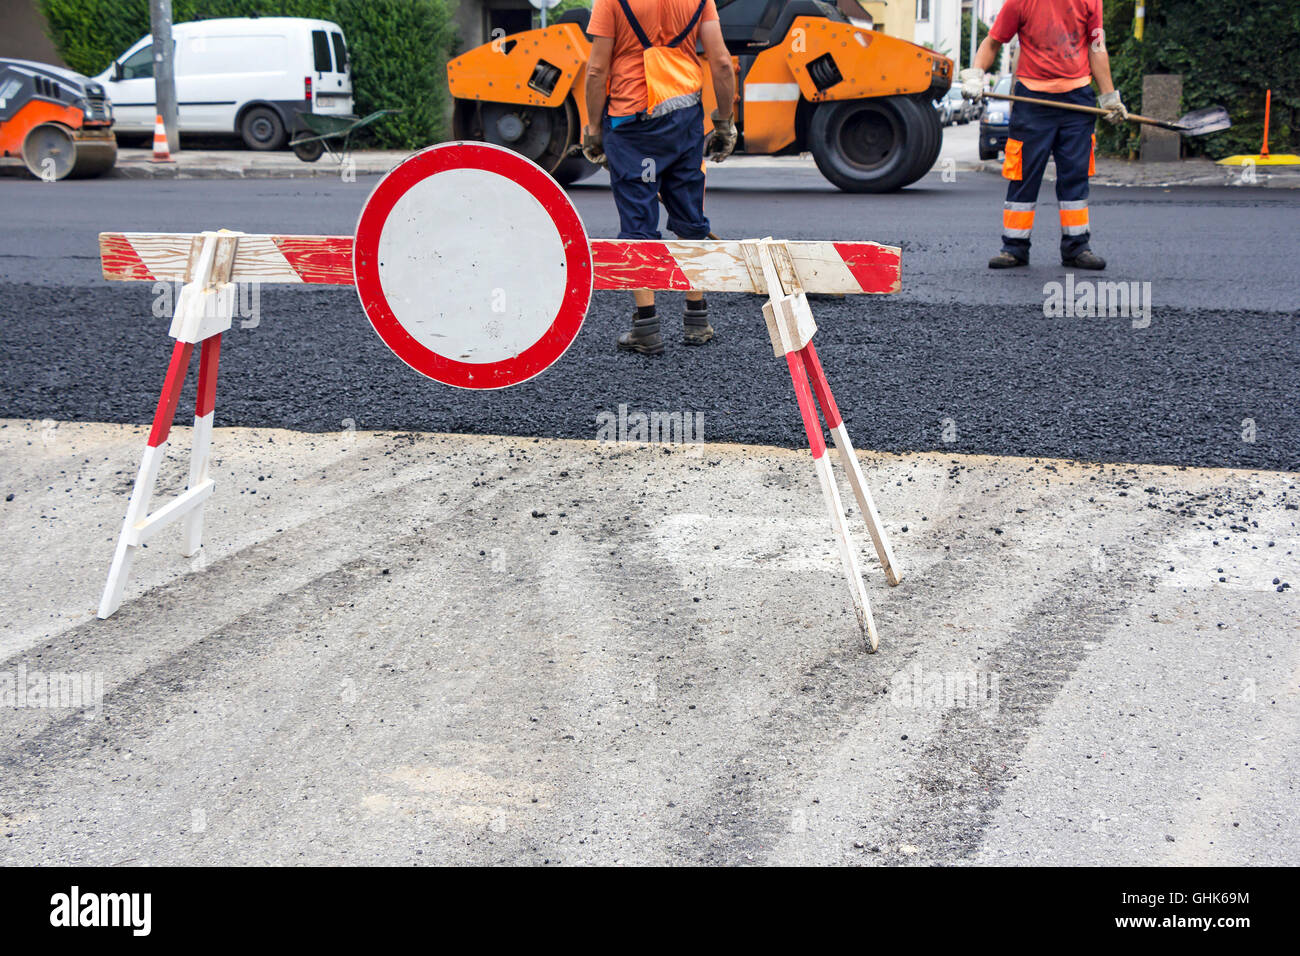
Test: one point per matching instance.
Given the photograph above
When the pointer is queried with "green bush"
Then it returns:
(398, 49)
(1228, 53)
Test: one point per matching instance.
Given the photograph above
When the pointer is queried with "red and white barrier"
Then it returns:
(424, 291)
(841, 268)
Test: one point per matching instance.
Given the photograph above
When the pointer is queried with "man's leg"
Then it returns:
(681, 186)
(1029, 144)
(636, 199)
(1073, 152)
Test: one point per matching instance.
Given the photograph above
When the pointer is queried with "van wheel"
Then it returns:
(262, 128)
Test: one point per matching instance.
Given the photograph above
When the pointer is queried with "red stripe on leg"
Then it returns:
(876, 268)
(171, 393)
(811, 424)
(822, 387)
(326, 260)
(636, 264)
(209, 357)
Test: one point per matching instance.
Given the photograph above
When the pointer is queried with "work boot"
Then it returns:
(1005, 260)
(1085, 260)
(695, 323)
(644, 336)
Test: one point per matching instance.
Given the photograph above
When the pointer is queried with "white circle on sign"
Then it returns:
(433, 274)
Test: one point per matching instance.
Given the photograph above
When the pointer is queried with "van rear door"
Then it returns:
(332, 84)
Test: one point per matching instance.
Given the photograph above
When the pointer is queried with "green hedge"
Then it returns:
(1228, 53)
(398, 49)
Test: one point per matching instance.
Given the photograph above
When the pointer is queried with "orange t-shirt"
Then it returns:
(661, 20)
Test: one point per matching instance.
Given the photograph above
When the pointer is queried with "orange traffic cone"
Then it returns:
(161, 153)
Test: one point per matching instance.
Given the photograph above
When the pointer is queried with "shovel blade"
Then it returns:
(1200, 122)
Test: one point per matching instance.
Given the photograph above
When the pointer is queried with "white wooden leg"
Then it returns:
(201, 452)
(893, 574)
(137, 508)
(848, 552)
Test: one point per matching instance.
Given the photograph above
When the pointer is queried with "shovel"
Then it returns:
(1197, 123)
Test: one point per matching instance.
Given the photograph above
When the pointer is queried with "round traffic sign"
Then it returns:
(472, 265)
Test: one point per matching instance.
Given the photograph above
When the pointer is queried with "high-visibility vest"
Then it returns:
(673, 77)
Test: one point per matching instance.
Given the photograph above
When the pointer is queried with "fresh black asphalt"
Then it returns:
(963, 360)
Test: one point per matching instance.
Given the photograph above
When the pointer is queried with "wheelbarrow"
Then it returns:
(329, 133)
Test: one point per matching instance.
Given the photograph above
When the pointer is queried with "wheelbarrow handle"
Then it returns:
(1094, 110)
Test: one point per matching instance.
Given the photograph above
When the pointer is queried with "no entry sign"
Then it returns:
(472, 265)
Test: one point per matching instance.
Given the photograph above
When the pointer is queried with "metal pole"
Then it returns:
(974, 30)
(164, 72)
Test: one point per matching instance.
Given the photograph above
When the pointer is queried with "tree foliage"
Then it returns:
(1228, 53)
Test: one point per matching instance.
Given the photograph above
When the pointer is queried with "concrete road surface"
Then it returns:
(402, 648)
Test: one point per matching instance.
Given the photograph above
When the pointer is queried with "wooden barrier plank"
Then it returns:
(847, 268)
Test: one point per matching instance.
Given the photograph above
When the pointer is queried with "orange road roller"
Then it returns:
(810, 77)
(58, 122)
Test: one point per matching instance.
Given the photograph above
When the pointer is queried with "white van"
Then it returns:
(250, 76)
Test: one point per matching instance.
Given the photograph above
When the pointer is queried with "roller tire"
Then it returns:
(868, 145)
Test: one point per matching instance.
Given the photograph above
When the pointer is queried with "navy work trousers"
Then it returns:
(1037, 133)
(653, 158)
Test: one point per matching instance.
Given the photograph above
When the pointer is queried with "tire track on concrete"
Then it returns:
(967, 760)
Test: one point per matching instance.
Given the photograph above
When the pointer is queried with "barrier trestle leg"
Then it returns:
(791, 327)
(204, 310)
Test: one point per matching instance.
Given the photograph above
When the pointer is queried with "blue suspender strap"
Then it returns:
(636, 27)
(699, 12)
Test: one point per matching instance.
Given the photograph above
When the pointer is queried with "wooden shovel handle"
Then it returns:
(1094, 110)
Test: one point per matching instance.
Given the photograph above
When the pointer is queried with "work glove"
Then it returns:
(722, 140)
(1115, 112)
(972, 83)
(593, 147)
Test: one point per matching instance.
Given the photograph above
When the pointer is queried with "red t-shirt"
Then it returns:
(1054, 39)
(661, 20)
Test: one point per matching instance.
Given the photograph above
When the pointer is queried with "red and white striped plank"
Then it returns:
(847, 268)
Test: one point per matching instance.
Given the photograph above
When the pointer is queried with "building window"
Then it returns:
(922, 11)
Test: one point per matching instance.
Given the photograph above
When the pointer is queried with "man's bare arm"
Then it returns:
(724, 76)
(987, 54)
(602, 52)
(1099, 63)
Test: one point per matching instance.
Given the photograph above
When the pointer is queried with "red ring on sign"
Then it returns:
(579, 272)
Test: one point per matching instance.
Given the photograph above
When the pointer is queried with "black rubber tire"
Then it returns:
(262, 129)
(930, 143)
(573, 169)
(867, 145)
(986, 153)
(309, 151)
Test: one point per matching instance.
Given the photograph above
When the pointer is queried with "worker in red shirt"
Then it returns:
(1062, 50)
(644, 90)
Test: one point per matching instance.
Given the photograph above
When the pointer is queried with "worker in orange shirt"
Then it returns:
(644, 90)
(1062, 50)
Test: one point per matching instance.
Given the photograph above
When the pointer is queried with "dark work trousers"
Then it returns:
(1037, 132)
(653, 158)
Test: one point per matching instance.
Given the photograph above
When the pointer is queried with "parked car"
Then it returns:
(943, 108)
(995, 121)
(960, 109)
(248, 76)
